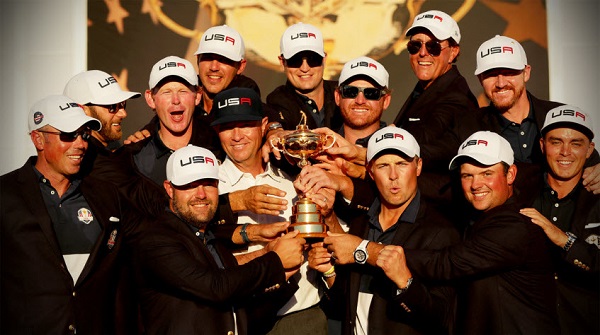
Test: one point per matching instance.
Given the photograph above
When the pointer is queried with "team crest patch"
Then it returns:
(593, 239)
(85, 215)
(38, 117)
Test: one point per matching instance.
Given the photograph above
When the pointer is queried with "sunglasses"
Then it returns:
(72, 136)
(370, 93)
(116, 107)
(312, 59)
(434, 48)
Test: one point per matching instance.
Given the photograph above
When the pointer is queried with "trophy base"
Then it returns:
(311, 232)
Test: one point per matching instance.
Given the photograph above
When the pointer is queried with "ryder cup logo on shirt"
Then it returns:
(85, 215)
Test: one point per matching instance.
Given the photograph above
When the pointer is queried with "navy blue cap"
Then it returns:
(237, 104)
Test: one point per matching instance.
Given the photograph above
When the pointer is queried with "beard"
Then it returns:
(107, 132)
(185, 211)
(507, 104)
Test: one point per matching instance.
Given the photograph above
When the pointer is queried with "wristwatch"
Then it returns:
(360, 254)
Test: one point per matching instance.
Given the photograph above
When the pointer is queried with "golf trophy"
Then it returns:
(304, 144)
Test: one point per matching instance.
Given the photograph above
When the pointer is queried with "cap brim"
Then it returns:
(115, 98)
(235, 118)
(75, 122)
(500, 65)
(299, 48)
(481, 159)
(437, 33)
(184, 180)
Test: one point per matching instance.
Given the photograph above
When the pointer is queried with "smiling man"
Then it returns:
(439, 101)
(61, 232)
(504, 263)
(241, 125)
(570, 217)
(303, 60)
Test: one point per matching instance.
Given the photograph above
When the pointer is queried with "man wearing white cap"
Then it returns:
(102, 98)
(173, 94)
(514, 113)
(61, 234)
(374, 301)
(362, 96)
(504, 263)
(303, 61)
(189, 283)
(570, 217)
(440, 99)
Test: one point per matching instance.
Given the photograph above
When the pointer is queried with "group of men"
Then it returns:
(456, 219)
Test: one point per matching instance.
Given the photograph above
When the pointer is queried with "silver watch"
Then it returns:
(360, 254)
(275, 125)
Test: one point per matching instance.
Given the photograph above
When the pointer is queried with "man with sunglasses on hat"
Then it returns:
(570, 217)
(515, 113)
(61, 233)
(503, 266)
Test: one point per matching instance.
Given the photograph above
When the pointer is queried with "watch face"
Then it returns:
(360, 256)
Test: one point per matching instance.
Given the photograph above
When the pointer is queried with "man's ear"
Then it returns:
(242, 66)
(38, 140)
(149, 99)
(169, 188)
(511, 174)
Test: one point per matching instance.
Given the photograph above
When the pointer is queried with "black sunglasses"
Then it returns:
(116, 107)
(72, 136)
(370, 93)
(434, 48)
(312, 59)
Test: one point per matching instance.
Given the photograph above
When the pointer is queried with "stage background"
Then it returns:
(44, 43)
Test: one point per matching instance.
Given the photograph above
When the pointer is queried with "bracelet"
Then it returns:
(244, 234)
(274, 125)
(570, 240)
(329, 273)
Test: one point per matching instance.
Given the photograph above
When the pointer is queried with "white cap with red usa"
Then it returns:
(173, 66)
(301, 37)
(96, 87)
(500, 52)
(367, 67)
(485, 147)
(394, 138)
(440, 24)
(191, 163)
(567, 116)
(224, 41)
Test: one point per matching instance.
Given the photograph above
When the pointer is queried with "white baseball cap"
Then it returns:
(392, 137)
(222, 40)
(500, 52)
(191, 163)
(301, 37)
(367, 67)
(61, 113)
(173, 66)
(440, 24)
(486, 147)
(567, 116)
(96, 87)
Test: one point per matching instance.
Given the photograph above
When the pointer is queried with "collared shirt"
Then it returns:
(152, 159)
(378, 235)
(232, 179)
(558, 211)
(76, 228)
(522, 137)
(318, 115)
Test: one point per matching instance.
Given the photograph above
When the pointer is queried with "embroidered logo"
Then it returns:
(593, 239)
(85, 215)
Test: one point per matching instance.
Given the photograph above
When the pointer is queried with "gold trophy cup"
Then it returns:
(304, 144)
